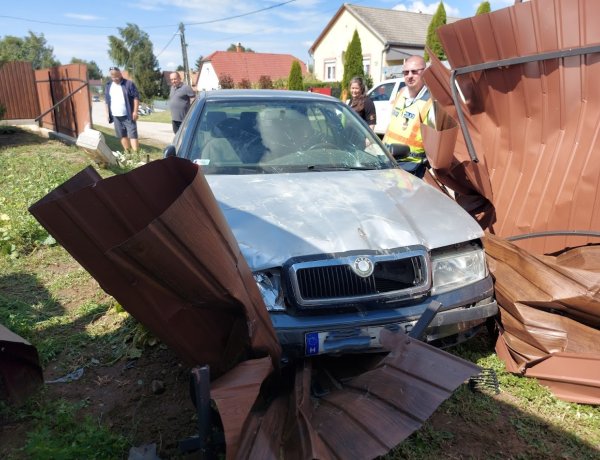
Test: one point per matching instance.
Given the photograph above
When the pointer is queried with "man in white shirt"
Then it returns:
(122, 102)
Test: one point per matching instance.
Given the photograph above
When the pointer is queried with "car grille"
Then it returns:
(333, 281)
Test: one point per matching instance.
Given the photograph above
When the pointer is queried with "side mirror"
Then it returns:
(169, 151)
(399, 151)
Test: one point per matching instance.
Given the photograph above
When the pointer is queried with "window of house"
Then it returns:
(367, 65)
(330, 70)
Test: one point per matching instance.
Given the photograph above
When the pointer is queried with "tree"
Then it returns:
(93, 71)
(198, 64)
(265, 82)
(244, 84)
(179, 68)
(295, 77)
(226, 81)
(32, 48)
(234, 47)
(484, 7)
(134, 53)
(353, 62)
(433, 42)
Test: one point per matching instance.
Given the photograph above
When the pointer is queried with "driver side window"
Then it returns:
(383, 92)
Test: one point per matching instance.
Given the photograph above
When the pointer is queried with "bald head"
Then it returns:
(175, 79)
(413, 74)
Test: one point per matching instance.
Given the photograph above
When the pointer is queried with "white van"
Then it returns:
(382, 96)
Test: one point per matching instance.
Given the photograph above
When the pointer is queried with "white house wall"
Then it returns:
(208, 79)
(335, 42)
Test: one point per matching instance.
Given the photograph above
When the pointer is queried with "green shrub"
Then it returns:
(295, 77)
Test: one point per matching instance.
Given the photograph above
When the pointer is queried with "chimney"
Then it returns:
(238, 47)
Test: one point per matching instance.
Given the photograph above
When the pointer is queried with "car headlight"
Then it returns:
(457, 268)
(269, 285)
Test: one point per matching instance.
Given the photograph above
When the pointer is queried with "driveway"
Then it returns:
(160, 132)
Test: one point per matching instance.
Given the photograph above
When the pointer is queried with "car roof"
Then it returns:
(240, 94)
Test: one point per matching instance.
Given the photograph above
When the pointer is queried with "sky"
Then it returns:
(81, 29)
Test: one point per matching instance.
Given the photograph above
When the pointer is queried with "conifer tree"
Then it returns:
(433, 42)
(353, 62)
(295, 77)
(484, 7)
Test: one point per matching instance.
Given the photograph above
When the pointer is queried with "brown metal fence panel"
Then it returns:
(54, 84)
(17, 91)
(536, 125)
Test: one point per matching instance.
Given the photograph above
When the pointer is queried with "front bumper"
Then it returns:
(462, 310)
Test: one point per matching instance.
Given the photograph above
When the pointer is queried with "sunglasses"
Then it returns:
(113, 68)
(413, 71)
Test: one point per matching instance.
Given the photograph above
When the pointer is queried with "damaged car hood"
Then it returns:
(278, 216)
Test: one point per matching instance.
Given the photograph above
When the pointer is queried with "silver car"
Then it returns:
(341, 241)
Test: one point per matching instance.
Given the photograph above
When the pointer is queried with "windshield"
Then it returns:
(275, 136)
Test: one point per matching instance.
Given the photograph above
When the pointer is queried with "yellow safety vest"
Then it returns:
(405, 125)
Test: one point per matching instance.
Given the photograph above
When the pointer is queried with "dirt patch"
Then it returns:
(122, 397)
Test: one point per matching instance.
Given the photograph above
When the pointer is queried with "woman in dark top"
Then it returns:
(361, 103)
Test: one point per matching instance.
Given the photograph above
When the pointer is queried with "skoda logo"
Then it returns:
(363, 266)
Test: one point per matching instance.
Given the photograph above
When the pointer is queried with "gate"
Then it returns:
(59, 96)
(64, 97)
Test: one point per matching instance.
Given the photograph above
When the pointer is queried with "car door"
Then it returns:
(382, 96)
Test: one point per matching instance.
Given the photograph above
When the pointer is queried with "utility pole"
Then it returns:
(186, 68)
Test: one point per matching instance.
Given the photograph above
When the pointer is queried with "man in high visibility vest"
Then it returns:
(410, 109)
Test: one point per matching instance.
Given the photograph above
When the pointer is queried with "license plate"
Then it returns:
(351, 339)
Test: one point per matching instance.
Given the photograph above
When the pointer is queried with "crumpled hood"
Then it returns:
(278, 216)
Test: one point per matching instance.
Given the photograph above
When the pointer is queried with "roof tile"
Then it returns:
(252, 66)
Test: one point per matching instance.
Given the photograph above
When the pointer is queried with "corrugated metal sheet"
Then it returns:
(367, 405)
(550, 314)
(18, 93)
(535, 126)
(55, 83)
(20, 370)
(157, 241)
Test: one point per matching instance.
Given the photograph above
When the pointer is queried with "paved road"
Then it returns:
(161, 132)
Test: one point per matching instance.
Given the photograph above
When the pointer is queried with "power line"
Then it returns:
(90, 26)
(169, 42)
(212, 21)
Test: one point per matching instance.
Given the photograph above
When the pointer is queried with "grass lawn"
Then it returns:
(50, 300)
(159, 117)
(152, 148)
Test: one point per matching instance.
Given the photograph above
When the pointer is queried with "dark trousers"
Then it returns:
(416, 169)
(176, 125)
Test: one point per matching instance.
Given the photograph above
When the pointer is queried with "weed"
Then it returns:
(27, 177)
(60, 433)
(427, 443)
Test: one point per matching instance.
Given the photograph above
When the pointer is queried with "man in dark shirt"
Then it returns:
(180, 99)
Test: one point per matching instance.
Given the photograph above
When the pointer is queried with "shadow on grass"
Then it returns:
(482, 424)
(28, 309)
(475, 425)
(11, 136)
(24, 302)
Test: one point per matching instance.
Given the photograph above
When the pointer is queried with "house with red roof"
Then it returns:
(244, 65)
